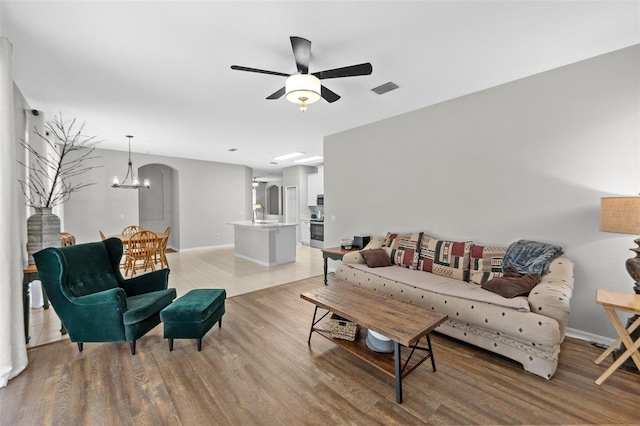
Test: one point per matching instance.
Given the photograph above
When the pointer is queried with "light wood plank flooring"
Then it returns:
(258, 369)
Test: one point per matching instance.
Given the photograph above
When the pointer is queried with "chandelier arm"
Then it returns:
(134, 184)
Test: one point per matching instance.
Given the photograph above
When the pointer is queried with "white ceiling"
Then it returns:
(161, 70)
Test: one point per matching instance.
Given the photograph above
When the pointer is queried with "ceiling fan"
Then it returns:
(304, 88)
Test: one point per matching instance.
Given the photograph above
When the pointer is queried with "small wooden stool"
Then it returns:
(613, 301)
(192, 315)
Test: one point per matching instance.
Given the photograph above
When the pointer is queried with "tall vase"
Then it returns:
(43, 230)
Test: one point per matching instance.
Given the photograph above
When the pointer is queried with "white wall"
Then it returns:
(21, 112)
(529, 159)
(210, 195)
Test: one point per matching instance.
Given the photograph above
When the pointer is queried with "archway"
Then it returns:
(158, 207)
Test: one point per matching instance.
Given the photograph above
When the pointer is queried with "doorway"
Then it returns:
(291, 204)
(158, 206)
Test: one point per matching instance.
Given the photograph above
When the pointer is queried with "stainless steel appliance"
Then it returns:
(317, 233)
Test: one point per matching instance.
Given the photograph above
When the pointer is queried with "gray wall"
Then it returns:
(207, 197)
(528, 159)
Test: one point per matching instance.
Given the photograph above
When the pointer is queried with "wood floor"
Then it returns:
(258, 369)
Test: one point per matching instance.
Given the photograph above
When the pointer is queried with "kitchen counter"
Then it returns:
(261, 224)
(265, 242)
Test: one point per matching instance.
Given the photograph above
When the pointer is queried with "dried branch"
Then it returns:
(47, 183)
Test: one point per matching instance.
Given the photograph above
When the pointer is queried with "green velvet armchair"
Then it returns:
(94, 301)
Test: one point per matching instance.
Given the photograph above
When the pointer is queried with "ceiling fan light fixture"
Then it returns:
(302, 89)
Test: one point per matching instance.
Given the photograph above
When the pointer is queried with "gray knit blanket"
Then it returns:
(528, 257)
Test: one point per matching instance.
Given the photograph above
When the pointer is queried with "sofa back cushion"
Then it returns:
(446, 258)
(404, 248)
(486, 263)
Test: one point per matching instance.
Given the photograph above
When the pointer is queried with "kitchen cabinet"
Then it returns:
(312, 189)
(305, 232)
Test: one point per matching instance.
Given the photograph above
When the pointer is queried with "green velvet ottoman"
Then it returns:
(192, 315)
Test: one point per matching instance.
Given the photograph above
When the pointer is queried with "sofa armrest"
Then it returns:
(552, 296)
(96, 317)
(356, 257)
(145, 283)
(113, 296)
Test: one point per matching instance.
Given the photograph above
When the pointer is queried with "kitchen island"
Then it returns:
(266, 242)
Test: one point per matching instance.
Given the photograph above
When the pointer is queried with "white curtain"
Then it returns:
(13, 352)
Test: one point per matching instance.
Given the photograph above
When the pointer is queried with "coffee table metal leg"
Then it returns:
(398, 370)
(326, 267)
(313, 323)
(433, 360)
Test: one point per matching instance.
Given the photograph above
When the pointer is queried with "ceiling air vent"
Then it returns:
(387, 87)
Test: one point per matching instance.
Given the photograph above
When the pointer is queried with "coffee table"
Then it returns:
(402, 322)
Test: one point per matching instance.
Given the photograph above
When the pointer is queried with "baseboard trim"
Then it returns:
(205, 247)
(589, 337)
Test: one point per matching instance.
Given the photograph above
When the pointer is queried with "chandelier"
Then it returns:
(135, 182)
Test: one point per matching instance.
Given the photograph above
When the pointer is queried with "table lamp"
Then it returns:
(622, 215)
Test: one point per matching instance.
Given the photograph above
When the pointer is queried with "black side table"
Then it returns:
(333, 253)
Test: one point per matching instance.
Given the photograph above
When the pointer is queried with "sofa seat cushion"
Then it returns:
(144, 305)
(524, 326)
(446, 286)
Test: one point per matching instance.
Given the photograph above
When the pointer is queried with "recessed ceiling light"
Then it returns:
(387, 87)
(309, 159)
(288, 156)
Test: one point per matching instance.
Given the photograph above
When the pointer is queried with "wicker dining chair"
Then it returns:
(161, 252)
(130, 230)
(142, 247)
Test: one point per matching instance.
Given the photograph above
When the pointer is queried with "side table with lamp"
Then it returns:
(622, 215)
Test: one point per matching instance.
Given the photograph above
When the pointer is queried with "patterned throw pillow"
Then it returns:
(486, 263)
(403, 248)
(446, 258)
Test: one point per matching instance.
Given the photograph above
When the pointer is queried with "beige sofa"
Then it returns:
(528, 330)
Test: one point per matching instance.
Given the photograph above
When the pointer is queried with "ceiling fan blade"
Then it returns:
(276, 95)
(240, 68)
(350, 71)
(302, 53)
(328, 95)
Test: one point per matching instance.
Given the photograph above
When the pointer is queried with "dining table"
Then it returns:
(125, 238)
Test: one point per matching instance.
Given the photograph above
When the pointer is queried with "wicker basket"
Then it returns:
(343, 328)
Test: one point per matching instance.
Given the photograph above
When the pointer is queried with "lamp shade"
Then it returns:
(299, 86)
(620, 215)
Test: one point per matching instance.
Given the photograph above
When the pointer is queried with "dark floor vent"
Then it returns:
(387, 87)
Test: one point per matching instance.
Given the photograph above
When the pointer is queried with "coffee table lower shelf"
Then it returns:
(384, 362)
(408, 360)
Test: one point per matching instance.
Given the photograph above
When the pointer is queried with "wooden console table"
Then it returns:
(334, 253)
(30, 273)
(404, 323)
